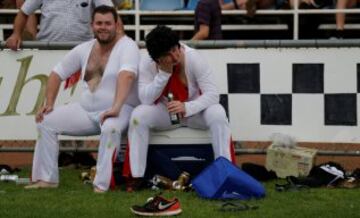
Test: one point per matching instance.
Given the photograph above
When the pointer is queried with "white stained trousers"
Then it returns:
(146, 117)
(73, 120)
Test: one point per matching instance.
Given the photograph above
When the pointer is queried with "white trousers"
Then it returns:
(73, 120)
(146, 117)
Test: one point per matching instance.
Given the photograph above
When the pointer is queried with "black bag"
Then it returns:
(326, 174)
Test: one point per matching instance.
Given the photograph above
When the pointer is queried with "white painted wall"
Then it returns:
(244, 109)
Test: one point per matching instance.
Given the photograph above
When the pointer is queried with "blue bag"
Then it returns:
(223, 180)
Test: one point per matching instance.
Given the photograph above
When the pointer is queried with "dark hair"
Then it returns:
(160, 41)
(104, 9)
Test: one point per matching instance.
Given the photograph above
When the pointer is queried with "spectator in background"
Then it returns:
(340, 17)
(249, 5)
(31, 25)
(208, 20)
(311, 4)
(60, 20)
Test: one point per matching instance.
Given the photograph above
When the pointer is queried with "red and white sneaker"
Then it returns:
(158, 206)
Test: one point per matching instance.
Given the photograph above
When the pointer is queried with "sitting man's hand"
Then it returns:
(176, 107)
(109, 113)
(166, 64)
(39, 117)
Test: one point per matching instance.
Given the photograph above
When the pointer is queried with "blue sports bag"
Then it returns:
(223, 180)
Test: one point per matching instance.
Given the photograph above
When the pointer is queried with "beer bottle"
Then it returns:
(174, 118)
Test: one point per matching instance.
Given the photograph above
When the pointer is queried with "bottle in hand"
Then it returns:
(174, 118)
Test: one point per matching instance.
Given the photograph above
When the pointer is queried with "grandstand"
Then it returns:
(266, 24)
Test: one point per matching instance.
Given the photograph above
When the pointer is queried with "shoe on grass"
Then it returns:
(158, 206)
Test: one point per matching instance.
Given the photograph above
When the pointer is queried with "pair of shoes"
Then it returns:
(134, 184)
(158, 206)
(41, 184)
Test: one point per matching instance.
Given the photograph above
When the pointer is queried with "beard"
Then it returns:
(110, 38)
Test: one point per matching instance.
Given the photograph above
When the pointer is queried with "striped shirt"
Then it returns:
(64, 20)
(208, 12)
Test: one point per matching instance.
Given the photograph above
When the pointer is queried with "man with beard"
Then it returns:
(108, 65)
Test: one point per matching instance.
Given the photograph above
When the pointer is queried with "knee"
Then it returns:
(216, 114)
(45, 125)
(110, 128)
(139, 116)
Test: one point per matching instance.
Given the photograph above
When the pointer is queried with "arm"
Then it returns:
(123, 86)
(203, 17)
(14, 41)
(204, 78)
(52, 90)
(203, 33)
(152, 81)
(31, 24)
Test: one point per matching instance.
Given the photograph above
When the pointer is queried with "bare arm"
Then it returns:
(14, 41)
(202, 34)
(52, 90)
(124, 83)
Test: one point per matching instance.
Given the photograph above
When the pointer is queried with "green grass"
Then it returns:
(73, 199)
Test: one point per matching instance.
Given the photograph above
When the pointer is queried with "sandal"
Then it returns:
(234, 207)
(290, 186)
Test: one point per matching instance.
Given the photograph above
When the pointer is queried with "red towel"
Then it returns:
(175, 86)
(73, 79)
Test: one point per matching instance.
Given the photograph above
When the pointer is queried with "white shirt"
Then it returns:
(199, 77)
(125, 56)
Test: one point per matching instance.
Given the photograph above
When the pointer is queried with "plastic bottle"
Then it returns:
(23, 181)
(8, 178)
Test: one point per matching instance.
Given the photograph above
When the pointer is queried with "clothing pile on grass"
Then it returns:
(296, 164)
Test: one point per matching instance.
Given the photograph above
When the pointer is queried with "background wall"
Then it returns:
(308, 93)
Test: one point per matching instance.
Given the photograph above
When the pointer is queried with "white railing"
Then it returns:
(138, 27)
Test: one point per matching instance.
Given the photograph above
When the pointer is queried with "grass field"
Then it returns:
(73, 199)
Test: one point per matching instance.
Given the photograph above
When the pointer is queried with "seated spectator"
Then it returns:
(249, 5)
(340, 17)
(311, 4)
(60, 20)
(175, 79)
(208, 20)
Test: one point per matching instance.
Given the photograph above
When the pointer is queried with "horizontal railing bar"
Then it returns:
(224, 12)
(238, 151)
(214, 44)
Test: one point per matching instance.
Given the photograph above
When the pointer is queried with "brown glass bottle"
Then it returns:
(174, 118)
